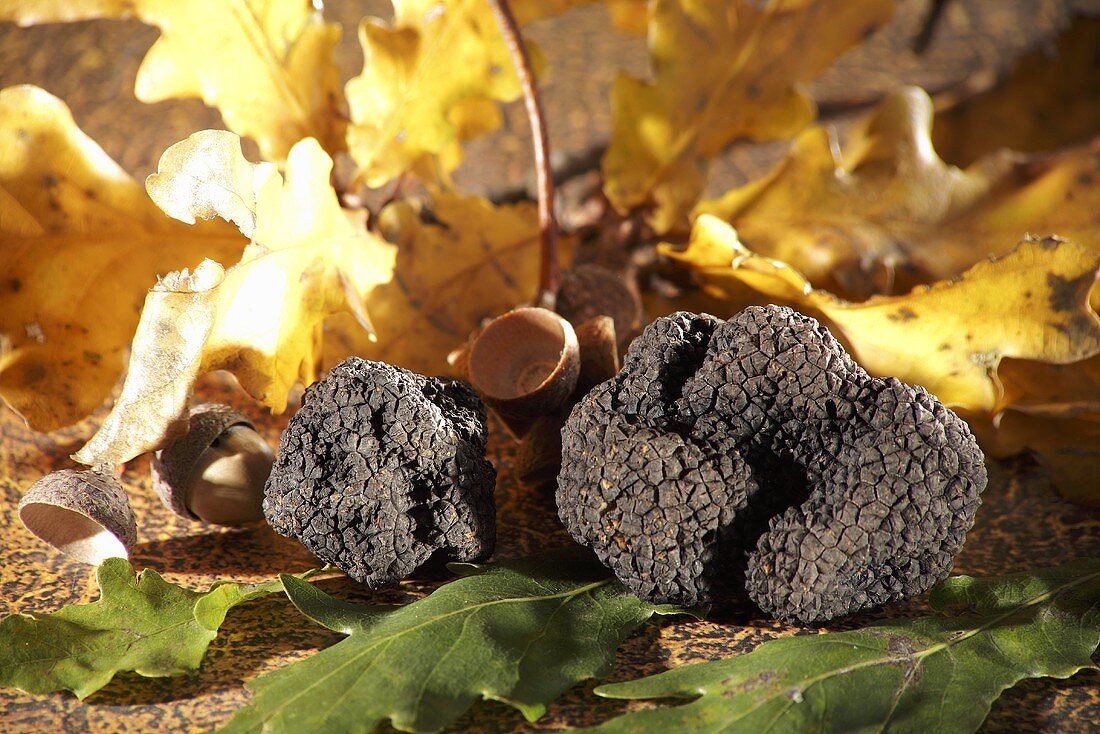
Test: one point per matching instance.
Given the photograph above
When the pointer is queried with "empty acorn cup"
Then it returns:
(216, 471)
(539, 457)
(84, 513)
(525, 364)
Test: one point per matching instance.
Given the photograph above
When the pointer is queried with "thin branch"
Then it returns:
(928, 28)
(549, 270)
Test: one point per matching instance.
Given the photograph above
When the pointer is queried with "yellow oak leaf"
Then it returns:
(261, 319)
(434, 57)
(267, 65)
(722, 69)
(889, 214)
(80, 244)
(476, 263)
(1031, 304)
(629, 16)
(431, 80)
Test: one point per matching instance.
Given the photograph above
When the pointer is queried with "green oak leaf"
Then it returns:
(140, 623)
(520, 632)
(929, 674)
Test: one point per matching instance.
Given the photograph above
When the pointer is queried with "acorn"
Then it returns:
(84, 513)
(524, 364)
(217, 470)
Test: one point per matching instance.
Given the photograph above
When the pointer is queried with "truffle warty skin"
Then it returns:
(382, 469)
(755, 456)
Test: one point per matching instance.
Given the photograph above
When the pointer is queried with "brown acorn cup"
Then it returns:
(539, 456)
(588, 291)
(525, 364)
(82, 513)
(216, 471)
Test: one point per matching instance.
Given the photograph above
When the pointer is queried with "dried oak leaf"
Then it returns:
(950, 337)
(889, 214)
(475, 262)
(1051, 98)
(80, 244)
(1053, 410)
(260, 319)
(721, 70)
(431, 80)
(267, 65)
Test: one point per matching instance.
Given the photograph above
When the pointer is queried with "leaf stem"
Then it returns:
(549, 270)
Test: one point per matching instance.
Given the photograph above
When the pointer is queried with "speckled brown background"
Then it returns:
(1022, 524)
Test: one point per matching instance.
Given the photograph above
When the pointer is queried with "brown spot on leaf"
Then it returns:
(762, 678)
(903, 315)
(34, 373)
(1068, 294)
(900, 645)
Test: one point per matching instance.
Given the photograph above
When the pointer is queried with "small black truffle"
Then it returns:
(381, 469)
(754, 455)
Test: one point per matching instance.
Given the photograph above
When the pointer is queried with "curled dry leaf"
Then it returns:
(476, 262)
(1031, 304)
(1053, 410)
(889, 214)
(80, 244)
(722, 70)
(260, 319)
(265, 64)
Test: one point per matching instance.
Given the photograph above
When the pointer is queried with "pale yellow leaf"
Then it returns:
(888, 214)
(261, 318)
(722, 69)
(434, 57)
(265, 64)
(951, 336)
(80, 244)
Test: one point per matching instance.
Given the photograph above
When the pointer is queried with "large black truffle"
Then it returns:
(754, 455)
(381, 469)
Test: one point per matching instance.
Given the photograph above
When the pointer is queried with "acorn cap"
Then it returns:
(590, 290)
(237, 455)
(85, 514)
(539, 457)
(599, 353)
(525, 364)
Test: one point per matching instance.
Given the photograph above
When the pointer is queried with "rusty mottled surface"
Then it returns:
(92, 66)
(1022, 525)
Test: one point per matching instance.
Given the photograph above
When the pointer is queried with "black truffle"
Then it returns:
(381, 469)
(754, 455)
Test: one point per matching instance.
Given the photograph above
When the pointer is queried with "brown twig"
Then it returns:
(549, 270)
(928, 28)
